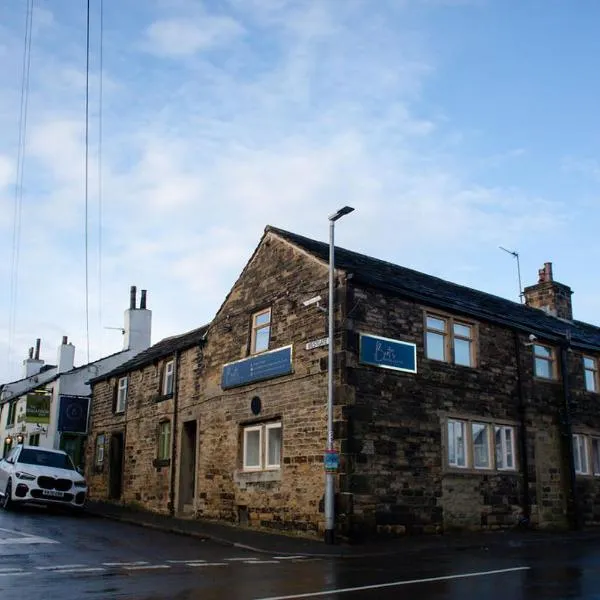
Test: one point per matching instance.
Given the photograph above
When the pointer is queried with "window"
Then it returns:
(590, 367)
(580, 456)
(456, 444)
(449, 340)
(261, 331)
(477, 445)
(544, 362)
(164, 440)
(480, 433)
(596, 456)
(122, 395)
(168, 378)
(99, 459)
(262, 446)
(34, 439)
(505, 443)
(12, 411)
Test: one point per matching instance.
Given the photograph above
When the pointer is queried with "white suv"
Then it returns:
(41, 476)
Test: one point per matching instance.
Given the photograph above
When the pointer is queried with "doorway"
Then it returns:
(187, 472)
(73, 444)
(115, 487)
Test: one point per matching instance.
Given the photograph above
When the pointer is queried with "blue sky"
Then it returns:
(452, 126)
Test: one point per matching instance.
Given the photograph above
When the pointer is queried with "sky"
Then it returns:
(452, 127)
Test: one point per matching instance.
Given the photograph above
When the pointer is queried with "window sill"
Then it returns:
(450, 364)
(161, 462)
(163, 397)
(546, 379)
(470, 471)
(265, 476)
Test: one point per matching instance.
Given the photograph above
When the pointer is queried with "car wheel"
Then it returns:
(7, 502)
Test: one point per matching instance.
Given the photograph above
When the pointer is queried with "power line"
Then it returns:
(100, 124)
(87, 174)
(18, 199)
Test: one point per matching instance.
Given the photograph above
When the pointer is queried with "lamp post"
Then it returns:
(329, 480)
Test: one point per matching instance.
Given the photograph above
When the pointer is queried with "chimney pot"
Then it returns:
(31, 352)
(37, 348)
(132, 296)
(65, 339)
(143, 300)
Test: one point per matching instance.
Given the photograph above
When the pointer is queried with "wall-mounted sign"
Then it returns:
(37, 408)
(267, 365)
(317, 343)
(73, 414)
(388, 354)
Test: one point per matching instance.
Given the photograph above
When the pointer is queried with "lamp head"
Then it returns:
(340, 213)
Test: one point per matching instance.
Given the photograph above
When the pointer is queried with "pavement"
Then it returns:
(268, 542)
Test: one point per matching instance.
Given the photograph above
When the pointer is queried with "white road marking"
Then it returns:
(396, 584)
(261, 562)
(185, 562)
(140, 567)
(245, 559)
(15, 573)
(10, 569)
(53, 567)
(85, 570)
(30, 539)
(136, 563)
(289, 557)
(208, 564)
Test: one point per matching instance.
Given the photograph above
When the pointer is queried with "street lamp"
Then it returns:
(330, 469)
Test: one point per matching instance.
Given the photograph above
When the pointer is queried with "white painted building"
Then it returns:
(50, 405)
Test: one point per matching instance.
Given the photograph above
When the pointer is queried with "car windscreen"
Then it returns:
(42, 458)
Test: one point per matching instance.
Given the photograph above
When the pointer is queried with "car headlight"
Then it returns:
(24, 476)
(80, 483)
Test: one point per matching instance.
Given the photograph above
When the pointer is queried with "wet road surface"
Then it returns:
(49, 556)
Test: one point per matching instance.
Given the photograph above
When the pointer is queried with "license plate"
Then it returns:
(53, 493)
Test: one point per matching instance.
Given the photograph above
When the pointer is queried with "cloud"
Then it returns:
(179, 37)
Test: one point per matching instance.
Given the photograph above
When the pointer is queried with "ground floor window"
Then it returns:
(261, 446)
(474, 444)
(99, 455)
(34, 439)
(164, 441)
(586, 454)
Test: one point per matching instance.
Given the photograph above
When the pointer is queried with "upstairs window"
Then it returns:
(121, 404)
(590, 367)
(168, 378)
(544, 361)
(261, 331)
(12, 412)
(449, 340)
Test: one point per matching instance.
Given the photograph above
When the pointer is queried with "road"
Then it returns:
(46, 555)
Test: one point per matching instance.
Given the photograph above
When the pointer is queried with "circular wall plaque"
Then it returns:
(255, 405)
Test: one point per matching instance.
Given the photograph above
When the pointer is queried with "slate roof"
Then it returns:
(436, 292)
(165, 347)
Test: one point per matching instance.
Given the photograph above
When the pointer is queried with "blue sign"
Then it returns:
(267, 365)
(73, 414)
(388, 354)
(331, 460)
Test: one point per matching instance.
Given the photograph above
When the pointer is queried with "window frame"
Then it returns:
(594, 372)
(551, 360)
(449, 336)
(263, 440)
(595, 462)
(164, 440)
(168, 378)
(34, 437)
(11, 417)
(505, 466)
(463, 425)
(491, 425)
(122, 393)
(576, 438)
(257, 328)
(99, 450)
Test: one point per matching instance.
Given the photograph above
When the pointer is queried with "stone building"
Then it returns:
(453, 408)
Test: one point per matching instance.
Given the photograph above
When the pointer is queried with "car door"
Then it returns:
(6, 467)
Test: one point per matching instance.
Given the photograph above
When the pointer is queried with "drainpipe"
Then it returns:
(572, 504)
(174, 434)
(526, 519)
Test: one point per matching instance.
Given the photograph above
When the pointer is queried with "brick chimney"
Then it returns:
(550, 296)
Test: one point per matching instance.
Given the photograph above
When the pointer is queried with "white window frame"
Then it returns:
(595, 464)
(469, 451)
(268, 428)
(169, 378)
(248, 430)
(464, 426)
(100, 443)
(257, 328)
(593, 370)
(551, 360)
(580, 442)
(122, 388)
(503, 448)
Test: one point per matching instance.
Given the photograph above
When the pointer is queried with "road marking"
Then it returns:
(10, 569)
(208, 564)
(245, 559)
(30, 539)
(15, 573)
(289, 557)
(136, 563)
(85, 570)
(261, 562)
(185, 562)
(140, 567)
(396, 584)
(52, 568)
